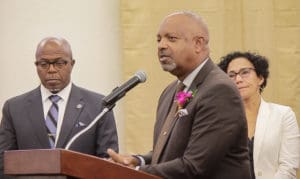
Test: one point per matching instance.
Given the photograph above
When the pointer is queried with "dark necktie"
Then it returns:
(51, 119)
(164, 133)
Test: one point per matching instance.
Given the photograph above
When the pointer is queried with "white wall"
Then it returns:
(91, 27)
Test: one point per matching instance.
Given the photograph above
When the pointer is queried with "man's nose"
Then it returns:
(162, 44)
(52, 68)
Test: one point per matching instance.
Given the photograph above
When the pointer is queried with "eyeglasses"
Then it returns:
(58, 64)
(244, 73)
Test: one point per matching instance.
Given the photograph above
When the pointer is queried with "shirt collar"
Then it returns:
(63, 94)
(190, 78)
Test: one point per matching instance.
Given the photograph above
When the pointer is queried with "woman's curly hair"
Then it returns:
(259, 62)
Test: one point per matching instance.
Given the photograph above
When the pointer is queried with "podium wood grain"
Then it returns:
(61, 164)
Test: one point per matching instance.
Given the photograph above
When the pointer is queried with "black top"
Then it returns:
(250, 145)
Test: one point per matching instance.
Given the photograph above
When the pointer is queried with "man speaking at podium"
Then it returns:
(200, 130)
(50, 115)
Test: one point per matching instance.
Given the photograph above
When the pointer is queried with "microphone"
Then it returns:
(119, 92)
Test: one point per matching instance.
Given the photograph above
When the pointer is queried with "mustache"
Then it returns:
(162, 53)
(52, 76)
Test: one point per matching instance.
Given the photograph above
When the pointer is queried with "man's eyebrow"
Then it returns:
(43, 59)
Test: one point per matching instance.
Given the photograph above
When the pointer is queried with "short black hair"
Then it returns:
(259, 62)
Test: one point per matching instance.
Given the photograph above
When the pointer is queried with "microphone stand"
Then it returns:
(97, 118)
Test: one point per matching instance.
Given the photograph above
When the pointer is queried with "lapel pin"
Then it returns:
(81, 124)
(78, 106)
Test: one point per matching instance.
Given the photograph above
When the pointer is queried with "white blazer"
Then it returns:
(276, 142)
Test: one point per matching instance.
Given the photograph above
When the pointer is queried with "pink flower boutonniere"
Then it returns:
(182, 99)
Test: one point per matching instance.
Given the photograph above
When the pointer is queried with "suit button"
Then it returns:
(165, 133)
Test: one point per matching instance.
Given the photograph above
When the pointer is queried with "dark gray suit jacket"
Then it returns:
(23, 124)
(211, 141)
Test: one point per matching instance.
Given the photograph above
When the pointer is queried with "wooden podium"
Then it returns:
(65, 164)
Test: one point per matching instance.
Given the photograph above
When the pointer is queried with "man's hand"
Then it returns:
(126, 160)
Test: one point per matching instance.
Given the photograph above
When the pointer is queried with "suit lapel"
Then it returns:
(73, 109)
(195, 85)
(260, 128)
(165, 105)
(36, 116)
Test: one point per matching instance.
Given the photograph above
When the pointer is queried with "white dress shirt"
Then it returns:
(190, 78)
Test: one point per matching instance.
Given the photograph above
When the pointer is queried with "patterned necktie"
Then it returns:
(51, 119)
(166, 129)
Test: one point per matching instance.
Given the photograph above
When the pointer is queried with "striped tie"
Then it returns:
(51, 119)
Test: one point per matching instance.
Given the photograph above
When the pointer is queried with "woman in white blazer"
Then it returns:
(274, 139)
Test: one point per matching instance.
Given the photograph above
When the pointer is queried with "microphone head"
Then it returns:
(141, 76)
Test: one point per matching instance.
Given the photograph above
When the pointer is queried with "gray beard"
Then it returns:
(169, 67)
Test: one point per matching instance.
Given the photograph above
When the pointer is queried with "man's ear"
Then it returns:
(73, 62)
(200, 43)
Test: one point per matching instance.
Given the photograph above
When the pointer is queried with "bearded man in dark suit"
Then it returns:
(24, 119)
(205, 137)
